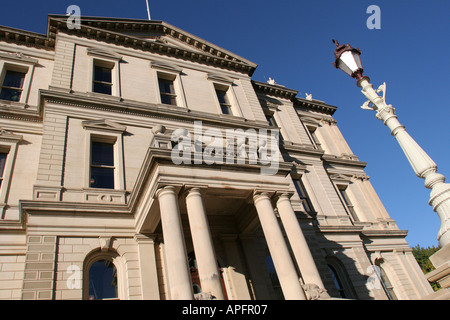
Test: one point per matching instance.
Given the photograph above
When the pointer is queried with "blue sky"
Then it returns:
(290, 40)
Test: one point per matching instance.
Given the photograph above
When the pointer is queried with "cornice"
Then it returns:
(115, 31)
(384, 233)
(315, 105)
(274, 90)
(345, 161)
(31, 39)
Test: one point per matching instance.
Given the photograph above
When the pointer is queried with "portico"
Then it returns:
(194, 219)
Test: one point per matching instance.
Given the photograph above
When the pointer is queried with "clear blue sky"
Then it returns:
(290, 40)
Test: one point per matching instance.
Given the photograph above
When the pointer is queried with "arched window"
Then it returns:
(340, 278)
(103, 276)
(337, 282)
(103, 280)
(386, 283)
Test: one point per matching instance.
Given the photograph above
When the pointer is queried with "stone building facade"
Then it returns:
(139, 161)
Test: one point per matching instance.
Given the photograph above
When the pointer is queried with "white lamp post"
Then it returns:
(348, 60)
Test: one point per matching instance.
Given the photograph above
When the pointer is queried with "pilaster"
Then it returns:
(38, 283)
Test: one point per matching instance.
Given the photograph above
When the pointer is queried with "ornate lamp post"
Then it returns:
(348, 60)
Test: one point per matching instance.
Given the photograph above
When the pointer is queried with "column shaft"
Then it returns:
(175, 248)
(208, 269)
(279, 251)
(303, 256)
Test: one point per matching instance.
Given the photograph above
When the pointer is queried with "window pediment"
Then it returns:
(165, 66)
(102, 53)
(341, 178)
(104, 125)
(9, 136)
(18, 57)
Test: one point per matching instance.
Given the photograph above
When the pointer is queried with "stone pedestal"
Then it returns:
(441, 261)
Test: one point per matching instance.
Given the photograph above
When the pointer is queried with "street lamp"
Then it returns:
(348, 60)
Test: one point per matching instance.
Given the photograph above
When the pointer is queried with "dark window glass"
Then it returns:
(102, 80)
(337, 282)
(2, 165)
(167, 92)
(389, 289)
(103, 280)
(102, 153)
(102, 165)
(12, 85)
(348, 204)
(303, 195)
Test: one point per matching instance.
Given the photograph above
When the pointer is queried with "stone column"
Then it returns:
(303, 256)
(279, 251)
(208, 269)
(175, 248)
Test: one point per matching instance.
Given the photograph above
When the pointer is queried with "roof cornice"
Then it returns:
(28, 38)
(114, 30)
(315, 105)
(275, 90)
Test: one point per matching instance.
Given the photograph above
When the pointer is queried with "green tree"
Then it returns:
(422, 256)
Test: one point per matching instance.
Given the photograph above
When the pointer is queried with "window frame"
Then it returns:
(104, 58)
(300, 175)
(8, 144)
(104, 65)
(18, 62)
(167, 71)
(110, 141)
(3, 86)
(225, 105)
(346, 201)
(223, 83)
(344, 280)
(385, 279)
(119, 263)
(109, 132)
(303, 194)
(164, 77)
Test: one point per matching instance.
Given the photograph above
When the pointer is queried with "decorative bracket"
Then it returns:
(368, 105)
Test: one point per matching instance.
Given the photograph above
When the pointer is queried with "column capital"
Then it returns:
(261, 194)
(190, 191)
(285, 196)
(163, 189)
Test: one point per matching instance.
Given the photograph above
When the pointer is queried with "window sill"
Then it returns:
(104, 96)
(107, 196)
(15, 104)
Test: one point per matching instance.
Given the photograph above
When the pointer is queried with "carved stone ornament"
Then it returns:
(314, 292)
(105, 243)
(204, 296)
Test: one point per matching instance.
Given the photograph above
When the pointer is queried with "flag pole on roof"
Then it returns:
(148, 10)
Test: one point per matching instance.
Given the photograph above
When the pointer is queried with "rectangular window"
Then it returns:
(303, 195)
(12, 85)
(315, 141)
(2, 166)
(102, 165)
(102, 79)
(347, 203)
(271, 120)
(223, 101)
(167, 91)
